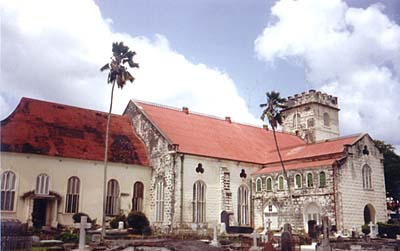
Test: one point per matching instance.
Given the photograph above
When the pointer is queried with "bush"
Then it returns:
(114, 222)
(139, 222)
(365, 229)
(68, 237)
(388, 230)
(77, 217)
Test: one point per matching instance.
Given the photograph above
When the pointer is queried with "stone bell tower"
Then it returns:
(312, 115)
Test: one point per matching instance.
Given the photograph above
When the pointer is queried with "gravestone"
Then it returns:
(82, 232)
(255, 247)
(324, 244)
(373, 230)
(223, 228)
(215, 242)
(286, 238)
(120, 225)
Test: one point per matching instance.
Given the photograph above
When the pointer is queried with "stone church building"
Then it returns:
(185, 169)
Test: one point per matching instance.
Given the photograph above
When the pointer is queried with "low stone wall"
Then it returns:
(373, 245)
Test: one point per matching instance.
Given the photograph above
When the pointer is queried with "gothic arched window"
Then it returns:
(137, 199)
(7, 191)
(269, 184)
(296, 120)
(258, 184)
(310, 182)
(366, 174)
(199, 202)
(326, 119)
(280, 183)
(112, 203)
(243, 205)
(322, 179)
(72, 198)
(297, 181)
(159, 201)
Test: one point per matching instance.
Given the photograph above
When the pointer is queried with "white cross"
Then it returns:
(82, 232)
(269, 221)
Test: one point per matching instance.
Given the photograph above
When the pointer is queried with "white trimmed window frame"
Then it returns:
(269, 180)
(72, 196)
(199, 202)
(159, 210)
(8, 184)
(298, 184)
(112, 199)
(309, 180)
(42, 184)
(243, 205)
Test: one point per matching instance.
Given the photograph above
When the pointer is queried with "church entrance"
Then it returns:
(39, 213)
(271, 217)
(312, 216)
(369, 214)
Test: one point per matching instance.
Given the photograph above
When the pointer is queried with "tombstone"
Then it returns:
(255, 247)
(286, 238)
(223, 228)
(120, 225)
(96, 239)
(82, 232)
(324, 244)
(215, 242)
(373, 230)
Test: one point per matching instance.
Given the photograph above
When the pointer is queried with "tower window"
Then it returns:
(326, 119)
(296, 120)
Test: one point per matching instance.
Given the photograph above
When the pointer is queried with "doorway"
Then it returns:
(39, 213)
(369, 214)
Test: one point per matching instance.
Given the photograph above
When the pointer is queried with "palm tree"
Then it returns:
(117, 74)
(272, 112)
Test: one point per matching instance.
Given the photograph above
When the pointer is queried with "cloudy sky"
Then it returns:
(216, 57)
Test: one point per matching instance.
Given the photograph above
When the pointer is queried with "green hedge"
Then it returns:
(388, 230)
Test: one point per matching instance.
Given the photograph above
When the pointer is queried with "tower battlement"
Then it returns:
(312, 96)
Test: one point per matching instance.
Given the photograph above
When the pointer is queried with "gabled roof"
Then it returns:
(213, 137)
(323, 148)
(53, 129)
(208, 136)
(293, 166)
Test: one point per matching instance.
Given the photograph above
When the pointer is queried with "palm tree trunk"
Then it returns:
(284, 171)
(103, 225)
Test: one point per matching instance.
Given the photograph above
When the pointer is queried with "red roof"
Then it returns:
(59, 130)
(213, 137)
(293, 166)
(328, 147)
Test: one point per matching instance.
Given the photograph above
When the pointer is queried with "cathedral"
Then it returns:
(186, 170)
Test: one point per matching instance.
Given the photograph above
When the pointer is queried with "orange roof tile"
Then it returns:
(328, 147)
(52, 129)
(294, 166)
(208, 136)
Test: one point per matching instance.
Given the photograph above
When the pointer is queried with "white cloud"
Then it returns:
(352, 53)
(53, 50)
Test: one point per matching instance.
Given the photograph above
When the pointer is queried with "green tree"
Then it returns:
(391, 164)
(272, 112)
(118, 74)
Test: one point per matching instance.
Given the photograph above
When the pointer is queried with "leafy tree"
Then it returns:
(272, 111)
(391, 164)
(117, 74)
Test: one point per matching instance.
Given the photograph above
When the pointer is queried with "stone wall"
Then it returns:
(352, 196)
(162, 160)
(302, 197)
(311, 107)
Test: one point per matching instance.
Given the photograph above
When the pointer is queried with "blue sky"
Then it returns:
(217, 57)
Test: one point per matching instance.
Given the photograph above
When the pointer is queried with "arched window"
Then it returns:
(137, 200)
(243, 205)
(280, 183)
(7, 191)
(296, 120)
(269, 184)
(326, 119)
(322, 179)
(366, 174)
(72, 198)
(297, 181)
(199, 202)
(112, 203)
(42, 184)
(159, 201)
(310, 182)
(258, 184)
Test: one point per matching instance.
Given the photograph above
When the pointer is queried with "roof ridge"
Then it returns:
(196, 113)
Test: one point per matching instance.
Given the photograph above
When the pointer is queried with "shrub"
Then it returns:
(388, 230)
(77, 217)
(114, 222)
(365, 229)
(68, 237)
(139, 222)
